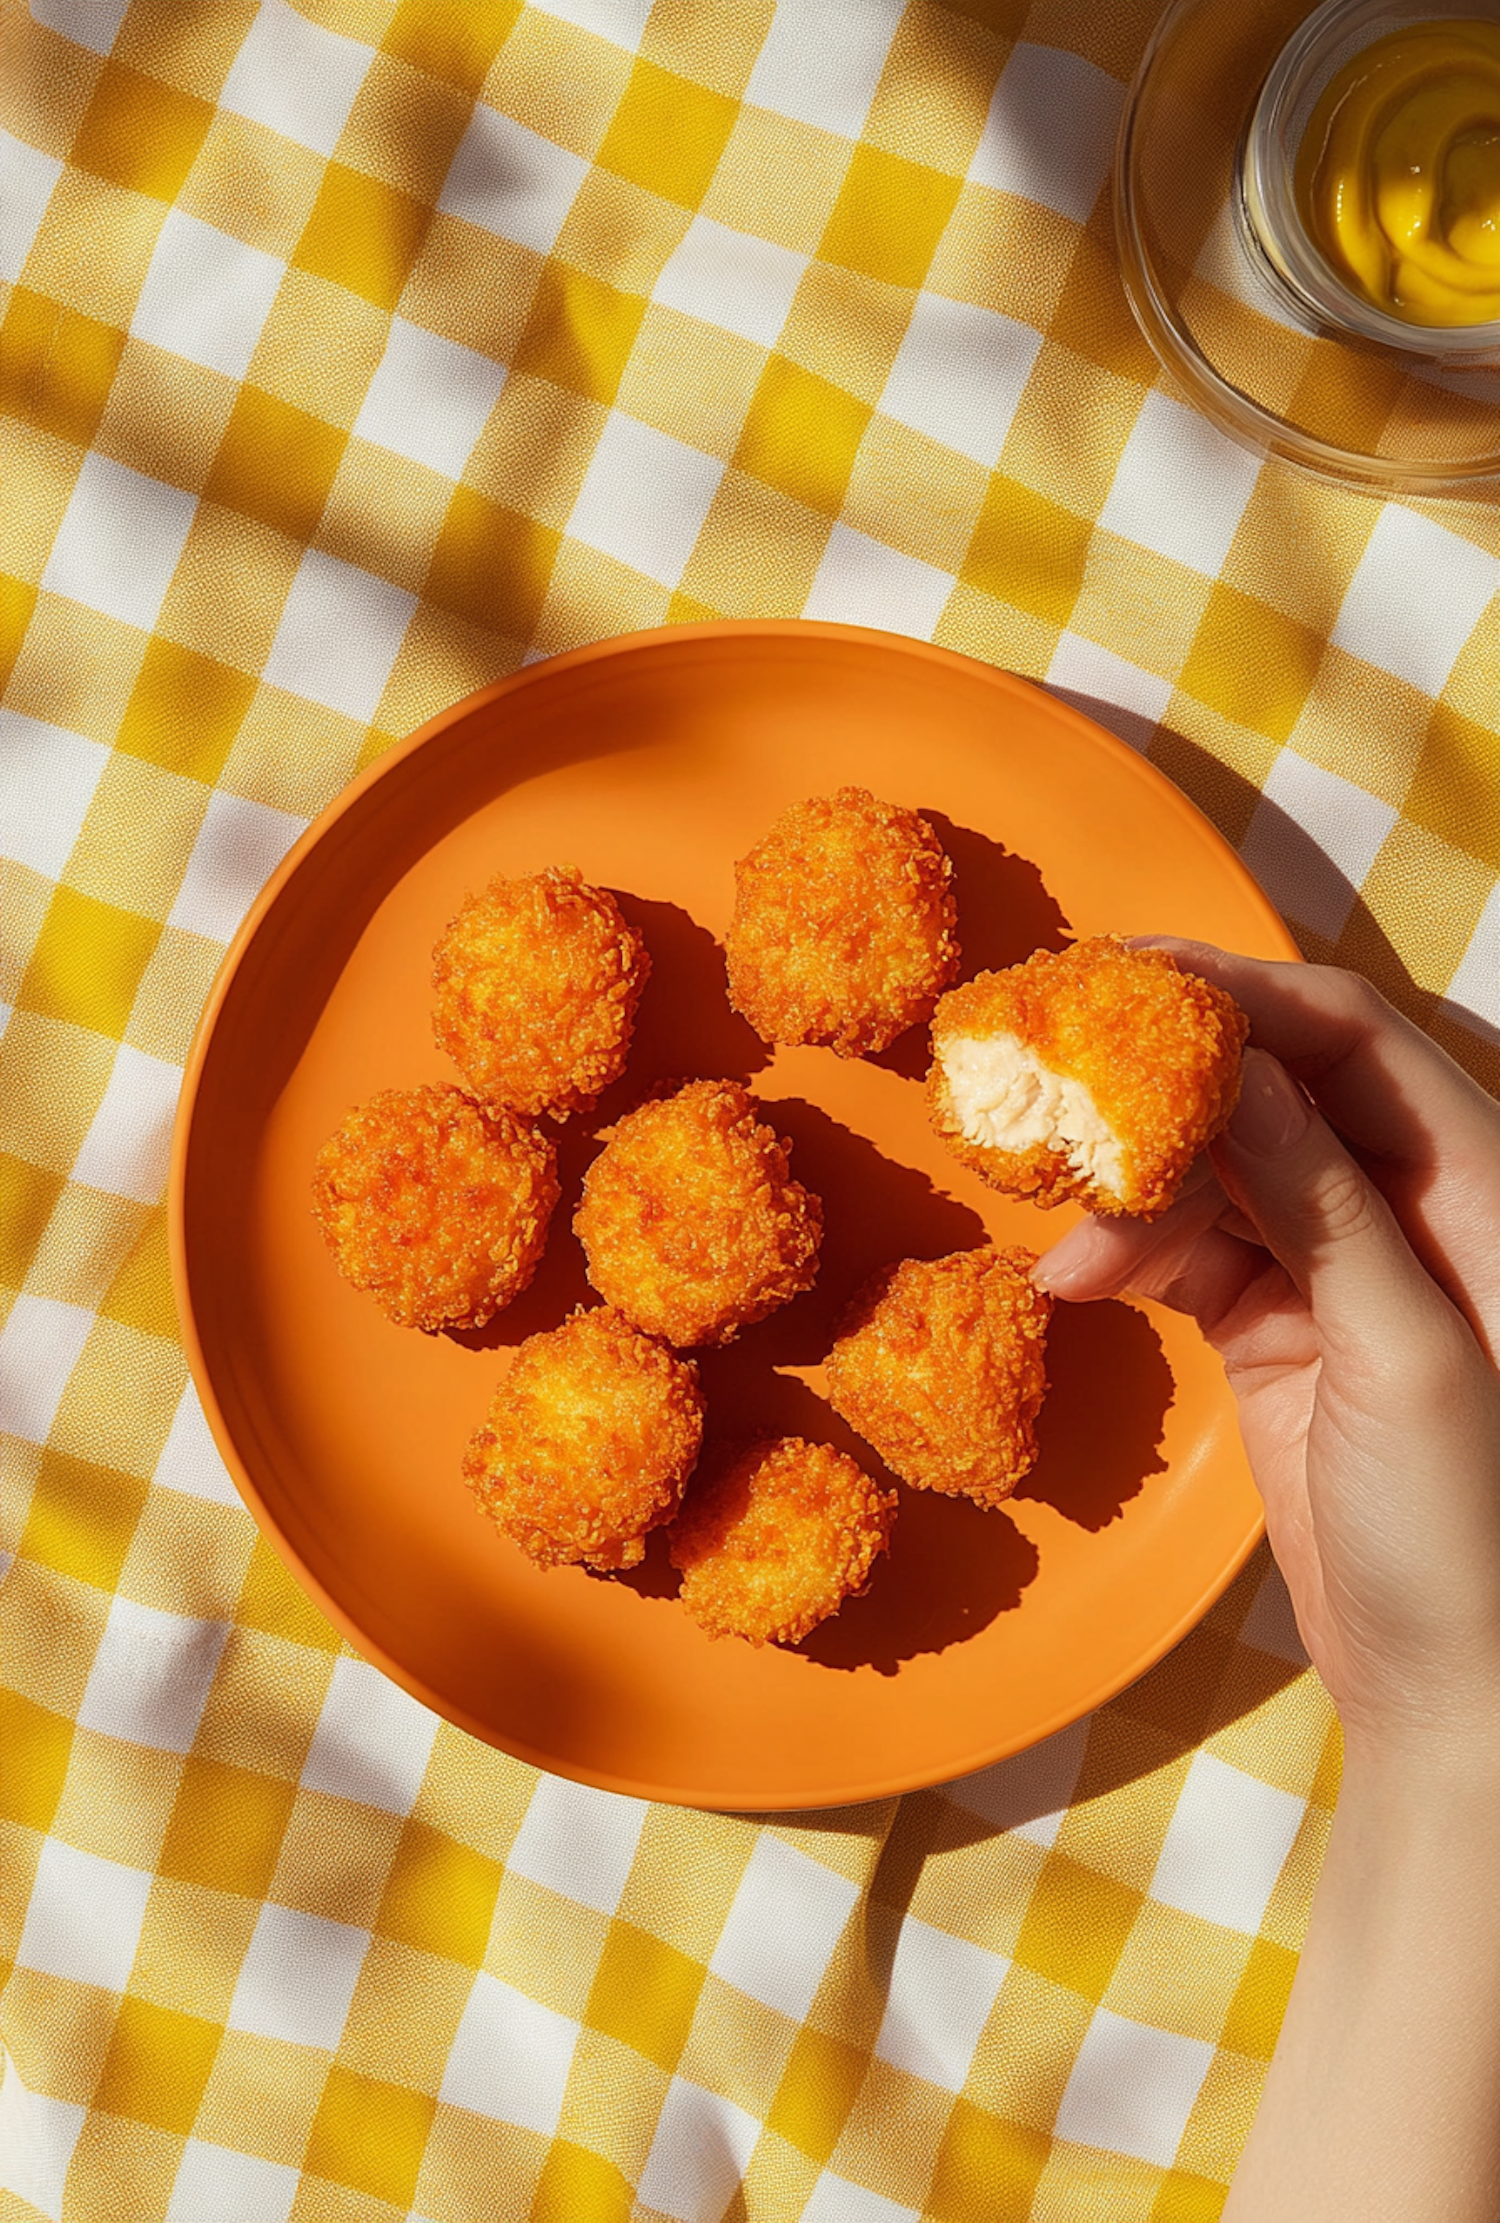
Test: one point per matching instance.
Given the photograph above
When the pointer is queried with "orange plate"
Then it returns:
(652, 762)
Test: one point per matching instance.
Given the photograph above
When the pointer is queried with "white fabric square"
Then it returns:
(27, 177)
(730, 279)
(298, 1977)
(206, 295)
(40, 1344)
(959, 375)
(822, 60)
(372, 1742)
(130, 1139)
(787, 1917)
(644, 498)
(190, 1459)
(512, 181)
(295, 77)
(1131, 702)
(37, 2137)
(84, 1916)
(47, 781)
(1474, 990)
(119, 541)
(863, 582)
(836, 2200)
(91, 23)
(939, 1999)
(214, 2184)
(1050, 132)
(1271, 1625)
(1132, 2088)
(239, 846)
(578, 1841)
(1181, 487)
(510, 2058)
(339, 635)
(1312, 839)
(699, 2155)
(151, 1676)
(619, 21)
(1226, 1844)
(1417, 594)
(429, 398)
(1028, 1795)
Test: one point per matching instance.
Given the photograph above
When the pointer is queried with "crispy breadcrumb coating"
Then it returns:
(776, 1537)
(537, 982)
(590, 1439)
(691, 1222)
(941, 1365)
(434, 1205)
(843, 927)
(1097, 1072)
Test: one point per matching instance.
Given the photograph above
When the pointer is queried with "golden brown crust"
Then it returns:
(843, 927)
(435, 1206)
(776, 1536)
(1157, 1048)
(591, 1437)
(940, 1364)
(537, 983)
(691, 1222)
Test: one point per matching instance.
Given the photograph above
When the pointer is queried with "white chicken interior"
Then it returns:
(1004, 1098)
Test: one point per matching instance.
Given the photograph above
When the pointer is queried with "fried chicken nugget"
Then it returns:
(940, 1364)
(537, 983)
(776, 1538)
(1097, 1072)
(843, 927)
(590, 1439)
(690, 1220)
(434, 1205)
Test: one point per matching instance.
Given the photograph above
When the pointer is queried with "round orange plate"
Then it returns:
(653, 762)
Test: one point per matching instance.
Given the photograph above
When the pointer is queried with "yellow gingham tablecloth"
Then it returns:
(352, 354)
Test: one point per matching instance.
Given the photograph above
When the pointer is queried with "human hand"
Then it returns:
(1341, 1250)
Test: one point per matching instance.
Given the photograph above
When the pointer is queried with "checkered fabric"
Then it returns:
(352, 354)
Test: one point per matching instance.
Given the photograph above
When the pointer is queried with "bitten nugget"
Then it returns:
(691, 1222)
(1098, 1072)
(776, 1538)
(843, 927)
(537, 982)
(590, 1439)
(435, 1206)
(941, 1365)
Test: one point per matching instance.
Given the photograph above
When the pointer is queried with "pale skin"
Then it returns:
(1340, 1247)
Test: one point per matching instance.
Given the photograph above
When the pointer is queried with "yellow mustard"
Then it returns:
(1398, 175)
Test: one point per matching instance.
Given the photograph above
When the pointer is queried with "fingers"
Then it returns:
(1101, 1257)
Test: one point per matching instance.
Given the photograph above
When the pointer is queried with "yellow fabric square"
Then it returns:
(644, 1993)
(46, 84)
(801, 435)
(889, 217)
(440, 1895)
(362, 234)
(1092, 315)
(575, 2184)
(17, 601)
(818, 2088)
(226, 1827)
(141, 133)
(140, 1295)
(1456, 791)
(68, 2026)
(36, 1745)
(492, 564)
(369, 2134)
(253, 183)
(53, 1624)
(188, 46)
(1178, 1696)
(471, 286)
(1076, 1926)
(291, 496)
(137, 836)
(171, 996)
(184, 710)
(1346, 398)
(668, 133)
(165, 416)
(987, 2170)
(82, 1518)
(778, 179)
(87, 1238)
(456, 44)
(620, 233)
(1008, 254)
(261, 2097)
(580, 332)
(157, 2065)
(535, 449)
(88, 962)
(1252, 663)
(558, 80)
(1028, 550)
(76, 667)
(941, 69)
(1184, 2198)
(56, 367)
(122, 2168)
(192, 1946)
(1253, 2022)
(384, 513)
(27, 1196)
(272, 1601)
(51, 1078)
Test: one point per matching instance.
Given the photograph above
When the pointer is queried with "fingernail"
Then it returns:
(1272, 1112)
(1069, 1263)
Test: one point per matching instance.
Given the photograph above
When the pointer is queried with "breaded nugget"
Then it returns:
(776, 1537)
(590, 1439)
(941, 1365)
(537, 982)
(843, 927)
(1098, 1072)
(435, 1206)
(691, 1222)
